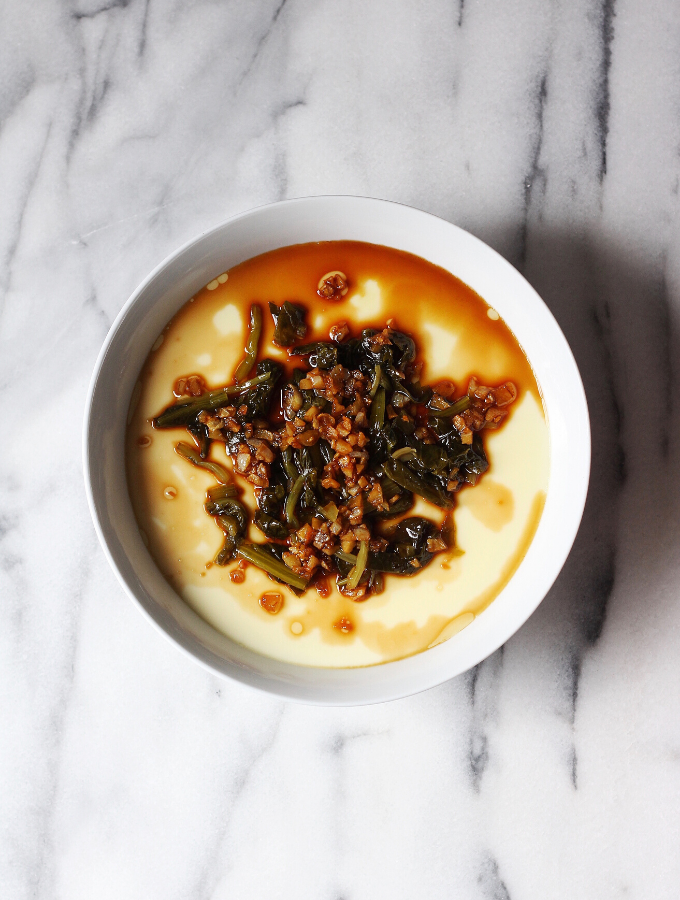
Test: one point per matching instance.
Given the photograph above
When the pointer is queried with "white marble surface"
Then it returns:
(549, 128)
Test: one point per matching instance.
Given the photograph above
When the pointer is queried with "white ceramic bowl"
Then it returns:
(329, 219)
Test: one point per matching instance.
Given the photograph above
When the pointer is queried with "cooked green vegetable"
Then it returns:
(400, 506)
(229, 507)
(288, 462)
(376, 381)
(226, 553)
(454, 410)
(262, 557)
(232, 532)
(259, 395)
(332, 460)
(377, 419)
(322, 355)
(398, 501)
(408, 543)
(269, 499)
(404, 453)
(395, 355)
(191, 455)
(419, 484)
(182, 414)
(376, 583)
(408, 551)
(358, 570)
(200, 434)
(252, 344)
(215, 494)
(349, 558)
(451, 455)
(292, 499)
(289, 323)
(270, 526)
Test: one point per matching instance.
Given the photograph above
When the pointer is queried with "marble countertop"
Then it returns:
(550, 129)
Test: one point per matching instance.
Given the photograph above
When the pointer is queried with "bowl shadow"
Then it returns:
(615, 307)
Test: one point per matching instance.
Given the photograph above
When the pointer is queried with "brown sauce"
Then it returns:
(491, 503)
(415, 298)
(322, 586)
(511, 566)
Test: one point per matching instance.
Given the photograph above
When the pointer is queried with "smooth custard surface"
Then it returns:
(457, 335)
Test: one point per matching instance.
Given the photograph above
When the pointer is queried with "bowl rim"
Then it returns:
(281, 688)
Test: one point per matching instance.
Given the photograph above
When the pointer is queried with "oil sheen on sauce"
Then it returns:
(457, 335)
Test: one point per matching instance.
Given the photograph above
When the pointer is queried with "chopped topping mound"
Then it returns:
(336, 448)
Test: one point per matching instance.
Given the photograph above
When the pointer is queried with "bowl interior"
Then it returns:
(327, 219)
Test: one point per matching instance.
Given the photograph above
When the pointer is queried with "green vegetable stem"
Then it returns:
(264, 559)
(252, 344)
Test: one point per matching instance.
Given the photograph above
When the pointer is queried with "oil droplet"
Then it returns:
(492, 314)
(344, 625)
(440, 586)
(296, 627)
(223, 277)
(212, 285)
(272, 603)
(144, 440)
(159, 340)
(170, 492)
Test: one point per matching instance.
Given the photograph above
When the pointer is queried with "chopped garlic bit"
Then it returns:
(332, 285)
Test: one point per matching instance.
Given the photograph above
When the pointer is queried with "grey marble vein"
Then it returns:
(491, 884)
(483, 686)
(603, 97)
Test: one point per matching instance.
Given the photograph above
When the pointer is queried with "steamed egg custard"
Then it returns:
(354, 421)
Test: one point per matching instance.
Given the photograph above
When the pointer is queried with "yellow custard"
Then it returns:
(458, 335)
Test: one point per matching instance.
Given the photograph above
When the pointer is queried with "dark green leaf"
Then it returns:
(425, 486)
(289, 323)
(252, 343)
(321, 355)
(258, 399)
(273, 528)
(264, 557)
